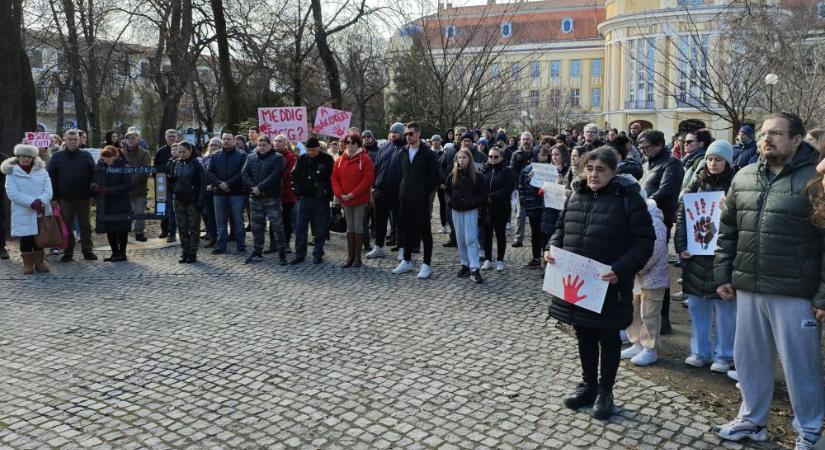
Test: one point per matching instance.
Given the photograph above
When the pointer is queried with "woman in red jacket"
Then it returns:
(352, 177)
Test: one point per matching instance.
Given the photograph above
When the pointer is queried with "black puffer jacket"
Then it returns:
(663, 181)
(697, 271)
(72, 174)
(114, 209)
(466, 194)
(264, 172)
(311, 176)
(767, 243)
(188, 180)
(611, 226)
(500, 181)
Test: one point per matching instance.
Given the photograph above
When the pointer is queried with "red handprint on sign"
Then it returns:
(266, 128)
(571, 289)
(339, 131)
(704, 229)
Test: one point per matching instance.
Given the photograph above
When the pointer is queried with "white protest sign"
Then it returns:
(291, 121)
(332, 122)
(554, 196)
(38, 139)
(576, 279)
(702, 216)
(543, 173)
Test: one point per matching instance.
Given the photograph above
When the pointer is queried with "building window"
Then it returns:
(555, 69)
(534, 99)
(693, 70)
(450, 31)
(575, 68)
(496, 70)
(567, 25)
(642, 74)
(596, 98)
(535, 70)
(506, 29)
(820, 10)
(459, 71)
(574, 97)
(596, 68)
(516, 69)
(555, 97)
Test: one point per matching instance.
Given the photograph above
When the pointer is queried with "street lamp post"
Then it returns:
(523, 121)
(771, 79)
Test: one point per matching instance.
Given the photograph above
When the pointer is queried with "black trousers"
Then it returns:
(117, 241)
(27, 244)
(536, 236)
(497, 223)
(415, 217)
(442, 206)
(385, 208)
(599, 349)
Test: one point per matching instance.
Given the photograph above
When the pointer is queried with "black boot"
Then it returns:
(584, 395)
(666, 327)
(603, 408)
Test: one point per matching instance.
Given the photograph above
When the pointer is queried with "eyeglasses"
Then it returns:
(494, 156)
(771, 133)
(690, 141)
(409, 133)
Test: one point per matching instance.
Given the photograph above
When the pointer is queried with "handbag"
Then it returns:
(48, 232)
(337, 222)
(64, 229)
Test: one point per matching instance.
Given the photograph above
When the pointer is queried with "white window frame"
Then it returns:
(508, 27)
(567, 21)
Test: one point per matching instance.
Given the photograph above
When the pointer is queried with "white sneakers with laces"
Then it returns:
(403, 267)
(487, 265)
(632, 351)
(646, 357)
(500, 266)
(739, 428)
(376, 252)
(425, 272)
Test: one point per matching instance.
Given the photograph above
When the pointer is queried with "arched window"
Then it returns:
(506, 29)
(567, 25)
(450, 31)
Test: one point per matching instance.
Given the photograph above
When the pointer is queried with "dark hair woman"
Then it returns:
(352, 177)
(466, 191)
(114, 210)
(112, 138)
(500, 181)
(532, 200)
(188, 179)
(606, 220)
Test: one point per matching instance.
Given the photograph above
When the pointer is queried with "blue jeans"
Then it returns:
(312, 212)
(230, 207)
(701, 319)
(466, 236)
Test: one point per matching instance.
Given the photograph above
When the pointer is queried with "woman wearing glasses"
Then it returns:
(501, 181)
(208, 204)
(352, 177)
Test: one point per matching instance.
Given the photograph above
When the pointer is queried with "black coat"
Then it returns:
(188, 180)
(419, 177)
(697, 271)
(387, 169)
(466, 194)
(265, 172)
(611, 226)
(311, 176)
(72, 174)
(162, 158)
(114, 208)
(662, 182)
(500, 181)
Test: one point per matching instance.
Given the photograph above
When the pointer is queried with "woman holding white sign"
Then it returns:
(607, 221)
(531, 199)
(695, 222)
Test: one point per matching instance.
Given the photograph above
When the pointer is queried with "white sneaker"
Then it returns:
(400, 256)
(443, 230)
(425, 272)
(487, 265)
(647, 357)
(733, 375)
(632, 351)
(696, 361)
(403, 267)
(500, 266)
(721, 366)
(376, 252)
(738, 429)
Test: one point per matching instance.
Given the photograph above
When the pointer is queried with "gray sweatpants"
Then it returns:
(771, 324)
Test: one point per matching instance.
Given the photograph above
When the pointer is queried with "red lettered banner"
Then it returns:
(332, 122)
(291, 121)
(38, 139)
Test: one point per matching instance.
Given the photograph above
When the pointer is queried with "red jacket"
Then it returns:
(353, 176)
(287, 194)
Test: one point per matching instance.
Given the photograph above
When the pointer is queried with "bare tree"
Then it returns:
(363, 70)
(18, 108)
(559, 111)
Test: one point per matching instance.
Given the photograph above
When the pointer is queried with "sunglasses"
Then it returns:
(409, 133)
(494, 157)
(690, 141)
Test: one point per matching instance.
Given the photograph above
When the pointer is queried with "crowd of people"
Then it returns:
(760, 295)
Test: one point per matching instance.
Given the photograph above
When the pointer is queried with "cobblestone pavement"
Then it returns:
(153, 354)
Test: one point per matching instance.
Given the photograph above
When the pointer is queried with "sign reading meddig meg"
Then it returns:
(291, 121)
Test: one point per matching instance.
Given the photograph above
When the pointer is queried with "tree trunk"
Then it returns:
(61, 107)
(18, 108)
(231, 93)
(73, 58)
(169, 117)
(327, 56)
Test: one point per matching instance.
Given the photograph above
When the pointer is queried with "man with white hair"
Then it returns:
(591, 137)
(524, 155)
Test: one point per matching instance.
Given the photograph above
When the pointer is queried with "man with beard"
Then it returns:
(385, 190)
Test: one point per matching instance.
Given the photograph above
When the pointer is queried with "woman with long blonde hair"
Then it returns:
(466, 191)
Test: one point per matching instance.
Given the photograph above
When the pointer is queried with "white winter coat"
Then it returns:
(24, 188)
(655, 274)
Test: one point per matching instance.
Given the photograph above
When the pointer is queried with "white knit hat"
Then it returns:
(25, 150)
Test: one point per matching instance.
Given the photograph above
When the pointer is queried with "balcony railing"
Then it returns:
(639, 104)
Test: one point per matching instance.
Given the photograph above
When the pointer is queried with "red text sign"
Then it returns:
(332, 122)
(291, 121)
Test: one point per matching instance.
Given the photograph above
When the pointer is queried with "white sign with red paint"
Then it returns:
(703, 213)
(291, 121)
(332, 122)
(38, 139)
(576, 279)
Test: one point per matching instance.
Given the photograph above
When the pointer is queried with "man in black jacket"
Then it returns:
(72, 171)
(419, 178)
(525, 154)
(262, 177)
(311, 180)
(662, 182)
(385, 190)
(162, 158)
